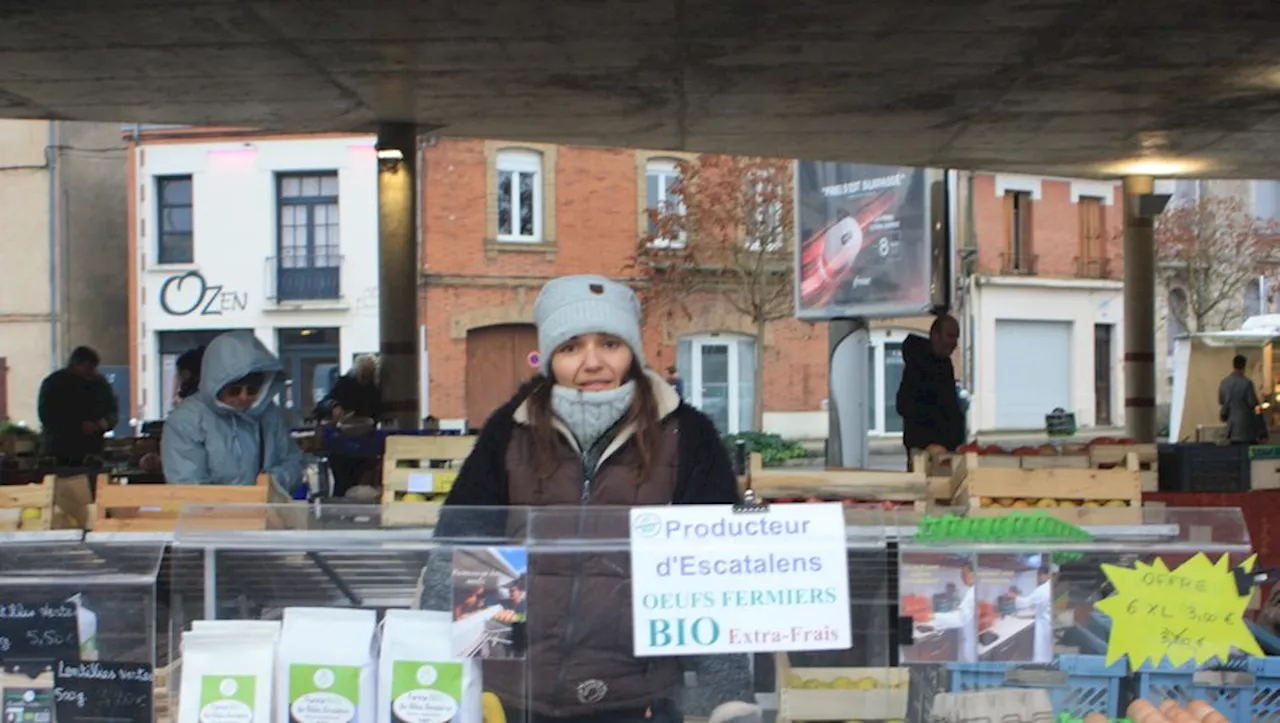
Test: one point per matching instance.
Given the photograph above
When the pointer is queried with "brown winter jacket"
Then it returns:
(580, 647)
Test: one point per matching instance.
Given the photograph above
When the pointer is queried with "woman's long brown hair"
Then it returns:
(643, 413)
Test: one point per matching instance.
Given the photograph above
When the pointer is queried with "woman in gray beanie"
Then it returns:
(599, 432)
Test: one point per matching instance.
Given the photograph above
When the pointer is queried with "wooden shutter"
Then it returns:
(1091, 229)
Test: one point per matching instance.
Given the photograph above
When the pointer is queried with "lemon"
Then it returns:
(31, 513)
(1116, 503)
(866, 684)
(491, 710)
(413, 497)
(844, 682)
(1046, 503)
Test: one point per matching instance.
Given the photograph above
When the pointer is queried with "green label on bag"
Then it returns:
(323, 693)
(425, 692)
(227, 698)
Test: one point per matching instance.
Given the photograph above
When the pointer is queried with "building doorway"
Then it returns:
(720, 371)
(499, 360)
(885, 368)
(1033, 371)
(312, 364)
(1102, 334)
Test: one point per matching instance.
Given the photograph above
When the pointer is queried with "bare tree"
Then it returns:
(1210, 249)
(725, 231)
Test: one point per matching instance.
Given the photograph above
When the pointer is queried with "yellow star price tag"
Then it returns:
(1191, 613)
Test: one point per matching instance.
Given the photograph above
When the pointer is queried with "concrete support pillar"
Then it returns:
(398, 271)
(848, 372)
(1139, 312)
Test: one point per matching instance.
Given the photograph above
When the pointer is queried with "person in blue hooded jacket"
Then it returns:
(232, 427)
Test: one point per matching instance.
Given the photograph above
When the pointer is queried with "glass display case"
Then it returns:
(111, 586)
(813, 612)
(79, 625)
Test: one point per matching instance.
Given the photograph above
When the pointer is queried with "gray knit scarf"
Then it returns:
(588, 415)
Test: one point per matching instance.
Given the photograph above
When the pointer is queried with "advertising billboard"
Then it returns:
(866, 245)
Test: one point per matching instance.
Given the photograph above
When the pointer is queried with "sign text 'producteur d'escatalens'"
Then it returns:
(707, 579)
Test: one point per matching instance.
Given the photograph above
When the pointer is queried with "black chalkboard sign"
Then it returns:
(38, 631)
(103, 692)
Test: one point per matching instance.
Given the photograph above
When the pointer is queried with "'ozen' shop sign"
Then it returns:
(709, 579)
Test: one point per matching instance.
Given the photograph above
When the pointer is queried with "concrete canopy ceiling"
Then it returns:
(1068, 87)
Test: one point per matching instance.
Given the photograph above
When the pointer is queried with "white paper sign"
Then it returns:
(423, 482)
(705, 579)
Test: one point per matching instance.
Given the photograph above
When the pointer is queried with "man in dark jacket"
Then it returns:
(1238, 405)
(356, 393)
(77, 406)
(927, 397)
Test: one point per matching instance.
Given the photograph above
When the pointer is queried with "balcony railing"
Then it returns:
(1093, 268)
(308, 283)
(1020, 264)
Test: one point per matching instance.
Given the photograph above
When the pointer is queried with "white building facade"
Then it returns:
(272, 234)
(1041, 344)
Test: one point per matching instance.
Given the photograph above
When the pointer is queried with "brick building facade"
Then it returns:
(1038, 292)
(500, 219)
(1041, 299)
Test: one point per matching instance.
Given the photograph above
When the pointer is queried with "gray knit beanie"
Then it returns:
(587, 304)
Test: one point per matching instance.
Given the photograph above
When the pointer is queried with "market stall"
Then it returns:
(855, 662)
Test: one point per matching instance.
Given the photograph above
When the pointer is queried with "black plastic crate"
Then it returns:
(1203, 467)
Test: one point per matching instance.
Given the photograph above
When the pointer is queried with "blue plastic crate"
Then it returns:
(1249, 690)
(1090, 685)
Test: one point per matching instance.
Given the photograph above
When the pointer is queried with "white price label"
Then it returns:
(422, 482)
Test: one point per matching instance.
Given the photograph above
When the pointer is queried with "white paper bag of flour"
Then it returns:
(247, 628)
(418, 680)
(226, 678)
(325, 668)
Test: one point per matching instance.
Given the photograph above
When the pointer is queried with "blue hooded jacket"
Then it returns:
(208, 442)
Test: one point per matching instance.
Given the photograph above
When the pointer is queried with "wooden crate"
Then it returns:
(939, 468)
(157, 508)
(1032, 461)
(865, 485)
(55, 503)
(163, 705)
(423, 466)
(1066, 493)
(796, 702)
(1112, 455)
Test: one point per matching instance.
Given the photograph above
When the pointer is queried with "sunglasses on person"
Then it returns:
(250, 385)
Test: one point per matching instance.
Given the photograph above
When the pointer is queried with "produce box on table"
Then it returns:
(54, 503)
(840, 694)
(157, 507)
(1079, 496)
(417, 474)
(788, 484)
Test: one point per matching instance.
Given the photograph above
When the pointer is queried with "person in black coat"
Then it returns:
(356, 393)
(927, 398)
(77, 407)
(188, 368)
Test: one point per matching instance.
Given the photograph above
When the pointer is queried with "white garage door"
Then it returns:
(1033, 372)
